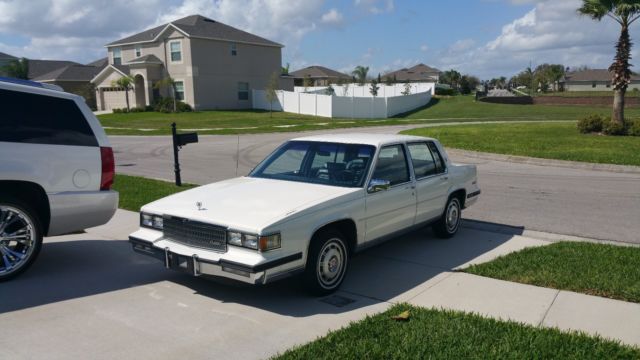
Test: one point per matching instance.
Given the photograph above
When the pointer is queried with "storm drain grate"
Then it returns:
(338, 301)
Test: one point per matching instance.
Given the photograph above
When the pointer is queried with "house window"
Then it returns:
(593, 85)
(138, 51)
(117, 56)
(234, 50)
(176, 51)
(179, 86)
(608, 85)
(243, 91)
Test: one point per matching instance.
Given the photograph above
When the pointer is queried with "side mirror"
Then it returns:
(376, 185)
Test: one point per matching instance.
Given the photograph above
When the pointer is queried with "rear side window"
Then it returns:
(39, 119)
(440, 164)
(423, 163)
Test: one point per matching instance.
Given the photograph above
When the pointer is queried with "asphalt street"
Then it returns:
(586, 203)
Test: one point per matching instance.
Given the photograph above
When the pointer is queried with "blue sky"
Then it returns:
(487, 38)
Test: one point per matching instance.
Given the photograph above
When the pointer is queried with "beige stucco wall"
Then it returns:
(217, 73)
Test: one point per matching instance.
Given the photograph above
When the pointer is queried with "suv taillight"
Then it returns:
(108, 168)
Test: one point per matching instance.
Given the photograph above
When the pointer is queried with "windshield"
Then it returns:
(318, 162)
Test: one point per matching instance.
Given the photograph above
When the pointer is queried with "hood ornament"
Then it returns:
(199, 205)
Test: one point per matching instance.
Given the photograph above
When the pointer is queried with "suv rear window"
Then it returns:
(40, 119)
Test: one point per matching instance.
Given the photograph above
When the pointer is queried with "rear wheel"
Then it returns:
(327, 263)
(20, 237)
(448, 224)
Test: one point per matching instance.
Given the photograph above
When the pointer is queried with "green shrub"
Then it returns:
(613, 128)
(183, 107)
(633, 127)
(165, 105)
(116, 111)
(592, 123)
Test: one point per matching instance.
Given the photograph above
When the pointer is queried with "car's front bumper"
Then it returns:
(258, 274)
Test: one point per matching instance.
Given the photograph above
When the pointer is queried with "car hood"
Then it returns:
(246, 203)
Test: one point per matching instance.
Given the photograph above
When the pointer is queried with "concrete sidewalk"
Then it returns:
(89, 295)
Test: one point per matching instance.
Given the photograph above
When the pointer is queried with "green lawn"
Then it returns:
(457, 109)
(136, 191)
(595, 269)
(435, 334)
(542, 140)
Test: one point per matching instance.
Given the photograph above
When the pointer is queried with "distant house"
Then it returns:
(319, 75)
(418, 73)
(74, 78)
(213, 65)
(593, 80)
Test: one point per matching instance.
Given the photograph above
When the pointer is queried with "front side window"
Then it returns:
(117, 56)
(243, 91)
(392, 165)
(234, 50)
(138, 51)
(179, 87)
(332, 164)
(423, 162)
(176, 51)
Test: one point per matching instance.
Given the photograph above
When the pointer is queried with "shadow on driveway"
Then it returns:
(79, 268)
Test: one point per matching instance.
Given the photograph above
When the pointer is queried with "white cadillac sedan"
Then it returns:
(307, 208)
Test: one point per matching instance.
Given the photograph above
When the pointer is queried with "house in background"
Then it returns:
(213, 65)
(74, 78)
(593, 80)
(319, 75)
(5, 59)
(418, 73)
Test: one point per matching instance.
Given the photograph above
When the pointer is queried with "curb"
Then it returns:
(626, 169)
(540, 235)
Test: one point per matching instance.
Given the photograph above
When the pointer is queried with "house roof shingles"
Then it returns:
(70, 73)
(101, 63)
(316, 71)
(5, 56)
(200, 27)
(146, 59)
(594, 75)
(37, 68)
(415, 73)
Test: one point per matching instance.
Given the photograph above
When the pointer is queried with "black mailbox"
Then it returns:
(186, 138)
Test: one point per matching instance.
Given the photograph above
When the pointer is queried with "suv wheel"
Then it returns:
(20, 237)
(327, 263)
(448, 224)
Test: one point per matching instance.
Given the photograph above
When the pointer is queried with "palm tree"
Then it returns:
(18, 69)
(360, 73)
(126, 83)
(168, 82)
(624, 12)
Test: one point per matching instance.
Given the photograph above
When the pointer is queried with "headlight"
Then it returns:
(151, 221)
(250, 241)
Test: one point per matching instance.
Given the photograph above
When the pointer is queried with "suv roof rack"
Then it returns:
(30, 83)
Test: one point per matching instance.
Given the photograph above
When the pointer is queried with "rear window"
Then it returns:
(39, 119)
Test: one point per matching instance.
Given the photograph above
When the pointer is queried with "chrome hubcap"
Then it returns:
(453, 216)
(17, 239)
(331, 263)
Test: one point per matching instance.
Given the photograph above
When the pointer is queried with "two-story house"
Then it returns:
(213, 65)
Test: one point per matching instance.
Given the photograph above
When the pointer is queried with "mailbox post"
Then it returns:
(180, 140)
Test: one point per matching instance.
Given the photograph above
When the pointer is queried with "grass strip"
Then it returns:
(431, 334)
(136, 191)
(595, 269)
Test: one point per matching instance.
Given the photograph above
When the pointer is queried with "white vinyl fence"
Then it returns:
(365, 90)
(340, 106)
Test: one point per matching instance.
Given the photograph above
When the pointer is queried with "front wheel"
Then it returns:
(327, 263)
(20, 238)
(448, 224)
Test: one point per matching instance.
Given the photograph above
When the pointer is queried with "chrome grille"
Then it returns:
(195, 233)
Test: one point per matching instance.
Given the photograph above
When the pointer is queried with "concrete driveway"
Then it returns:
(90, 296)
(586, 203)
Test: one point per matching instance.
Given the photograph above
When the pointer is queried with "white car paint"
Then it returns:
(297, 209)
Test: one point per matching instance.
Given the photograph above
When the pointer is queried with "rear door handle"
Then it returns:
(445, 178)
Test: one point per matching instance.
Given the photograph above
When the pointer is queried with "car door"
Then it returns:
(431, 180)
(393, 209)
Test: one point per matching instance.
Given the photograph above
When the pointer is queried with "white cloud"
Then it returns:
(424, 47)
(333, 16)
(552, 32)
(375, 6)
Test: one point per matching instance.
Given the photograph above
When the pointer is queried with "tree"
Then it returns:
(168, 83)
(373, 88)
(451, 77)
(468, 83)
(126, 83)
(379, 79)
(388, 80)
(18, 69)
(407, 89)
(285, 70)
(624, 12)
(360, 73)
(307, 82)
(271, 94)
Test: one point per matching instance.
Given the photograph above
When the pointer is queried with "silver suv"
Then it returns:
(56, 170)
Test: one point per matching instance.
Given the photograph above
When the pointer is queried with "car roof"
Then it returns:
(363, 138)
(35, 87)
